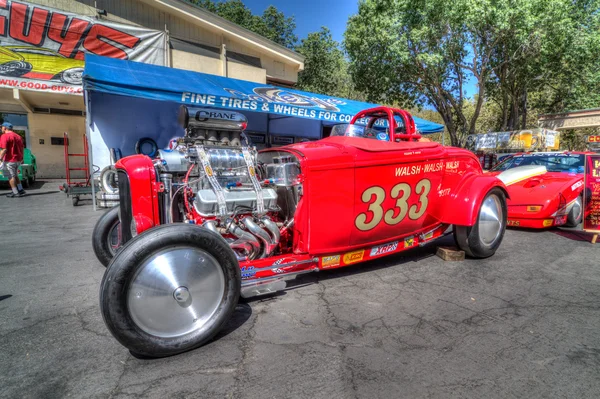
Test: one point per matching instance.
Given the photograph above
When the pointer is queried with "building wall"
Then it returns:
(136, 12)
(246, 72)
(195, 62)
(50, 158)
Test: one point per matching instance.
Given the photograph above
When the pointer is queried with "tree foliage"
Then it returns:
(272, 24)
(325, 68)
(520, 54)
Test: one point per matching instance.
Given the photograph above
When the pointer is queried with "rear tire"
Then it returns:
(104, 241)
(483, 239)
(170, 290)
(575, 215)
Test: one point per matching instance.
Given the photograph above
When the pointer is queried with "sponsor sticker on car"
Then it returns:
(330, 261)
(577, 185)
(248, 271)
(354, 256)
(409, 241)
(384, 249)
(514, 223)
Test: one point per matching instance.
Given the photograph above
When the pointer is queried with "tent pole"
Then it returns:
(88, 122)
(268, 138)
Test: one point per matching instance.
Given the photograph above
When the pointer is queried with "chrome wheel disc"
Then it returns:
(114, 238)
(491, 219)
(176, 291)
(577, 208)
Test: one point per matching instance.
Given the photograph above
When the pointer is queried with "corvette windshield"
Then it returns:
(358, 131)
(572, 163)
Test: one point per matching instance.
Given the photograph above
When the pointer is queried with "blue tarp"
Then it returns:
(128, 78)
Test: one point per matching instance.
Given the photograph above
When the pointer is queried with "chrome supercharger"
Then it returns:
(215, 177)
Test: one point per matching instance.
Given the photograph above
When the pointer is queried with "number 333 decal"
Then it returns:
(374, 196)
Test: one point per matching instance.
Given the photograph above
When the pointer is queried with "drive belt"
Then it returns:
(203, 157)
(260, 203)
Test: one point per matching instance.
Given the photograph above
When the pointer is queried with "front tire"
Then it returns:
(483, 239)
(170, 290)
(73, 76)
(106, 238)
(575, 215)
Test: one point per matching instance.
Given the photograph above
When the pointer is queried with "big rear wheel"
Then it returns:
(106, 238)
(482, 239)
(170, 289)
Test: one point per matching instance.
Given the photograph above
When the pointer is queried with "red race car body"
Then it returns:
(545, 188)
(256, 219)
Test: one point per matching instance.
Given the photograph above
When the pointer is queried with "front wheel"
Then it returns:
(482, 239)
(72, 76)
(106, 238)
(170, 290)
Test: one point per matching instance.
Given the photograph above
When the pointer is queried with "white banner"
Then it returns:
(43, 49)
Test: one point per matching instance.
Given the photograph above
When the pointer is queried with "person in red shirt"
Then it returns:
(11, 157)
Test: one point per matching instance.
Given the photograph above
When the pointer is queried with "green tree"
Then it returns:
(272, 24)
(325, 68)
(418, 52)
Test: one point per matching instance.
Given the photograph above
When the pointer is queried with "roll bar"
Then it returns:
(410, 133)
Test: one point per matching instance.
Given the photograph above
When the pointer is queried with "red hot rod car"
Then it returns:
(202, 226)
(545, 188)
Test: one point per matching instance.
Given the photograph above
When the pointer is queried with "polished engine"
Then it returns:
(216, 178)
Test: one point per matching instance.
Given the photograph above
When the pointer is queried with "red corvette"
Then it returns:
(545, 188)
(217, 220)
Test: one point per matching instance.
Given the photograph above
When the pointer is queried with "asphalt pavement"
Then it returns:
(524, 323)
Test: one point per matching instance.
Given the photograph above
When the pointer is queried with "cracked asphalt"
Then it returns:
(522, 324)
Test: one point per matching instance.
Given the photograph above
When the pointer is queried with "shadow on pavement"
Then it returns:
(3, 297)
(241, 314)
(44, 193)
(575, 235)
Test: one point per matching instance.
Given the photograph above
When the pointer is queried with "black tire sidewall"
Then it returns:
(478, 249)
(144, 140)
(467, 237)
(100, 235)
(117, 279)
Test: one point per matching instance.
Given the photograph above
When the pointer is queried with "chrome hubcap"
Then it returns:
(491, 219)
(577, 209)
(181, 294)
(176, 291)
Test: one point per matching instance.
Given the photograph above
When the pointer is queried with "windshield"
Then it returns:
(358, 131)
(572, 163)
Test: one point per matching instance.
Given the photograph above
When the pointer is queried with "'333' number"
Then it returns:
(374, 196)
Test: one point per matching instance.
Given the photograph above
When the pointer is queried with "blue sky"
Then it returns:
(310, 15)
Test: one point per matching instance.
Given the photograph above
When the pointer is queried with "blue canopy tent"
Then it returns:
(115, 120)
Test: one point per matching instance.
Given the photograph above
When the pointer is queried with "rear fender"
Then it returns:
(462, 207)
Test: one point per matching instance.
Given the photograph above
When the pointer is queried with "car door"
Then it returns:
(394, 199)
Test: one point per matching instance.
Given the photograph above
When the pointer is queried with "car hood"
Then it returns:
(342, 152)
(533, 184)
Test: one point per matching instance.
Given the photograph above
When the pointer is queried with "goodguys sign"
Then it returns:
(43, 49)
(591, 198)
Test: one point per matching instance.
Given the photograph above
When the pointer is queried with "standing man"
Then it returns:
(11, 157)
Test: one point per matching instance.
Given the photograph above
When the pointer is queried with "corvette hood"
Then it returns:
(533, 185)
